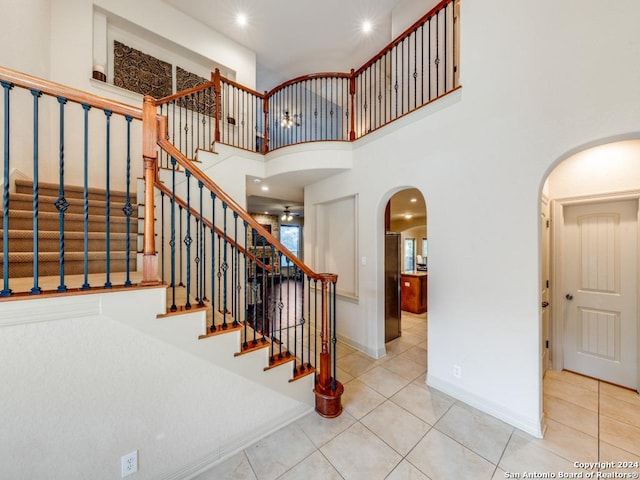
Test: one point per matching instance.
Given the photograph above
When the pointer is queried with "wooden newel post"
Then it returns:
(328, 390)
(150, 156)
(352, 93)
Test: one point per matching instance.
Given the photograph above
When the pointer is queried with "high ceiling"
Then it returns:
(293, 38)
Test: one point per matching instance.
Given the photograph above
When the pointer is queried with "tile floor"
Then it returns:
(395, 427)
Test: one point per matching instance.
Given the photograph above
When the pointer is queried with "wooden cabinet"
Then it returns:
(414, 292)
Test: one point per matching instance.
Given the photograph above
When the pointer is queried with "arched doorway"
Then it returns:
(405, 267)
(590, 252)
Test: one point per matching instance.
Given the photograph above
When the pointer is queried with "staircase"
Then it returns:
(21, 231)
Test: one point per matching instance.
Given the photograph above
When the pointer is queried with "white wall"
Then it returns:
(482, 155)
(80, 389)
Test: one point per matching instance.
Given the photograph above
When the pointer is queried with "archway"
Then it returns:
(589, 280)
(405, 270)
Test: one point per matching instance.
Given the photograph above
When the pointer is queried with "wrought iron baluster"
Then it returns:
(266, 298)
(235, 278)
(446, 70)
(161, 234)
(199, 261)
(188, 240)
(213, 263)
(36, 96)
(180, 284)
(61, 203)
(6, 291)
(315, 322)
(172, 242)
(246, 277)
(302, 319)
(310, 326)
(107, 283)
(225, 266)
(334, 385)
(85, 197)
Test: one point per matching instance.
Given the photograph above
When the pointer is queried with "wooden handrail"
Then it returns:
(241, 87)
(168, 147)
(398, 40)
(303, 78)
(160, 186)
(71, 94)
(183, 93)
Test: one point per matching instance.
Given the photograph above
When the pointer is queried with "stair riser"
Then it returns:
(75, 206)
(52, 191)
(70, 245)
(25, 269)
(117, 225)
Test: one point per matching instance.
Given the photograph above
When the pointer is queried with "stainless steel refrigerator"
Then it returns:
(392, 266)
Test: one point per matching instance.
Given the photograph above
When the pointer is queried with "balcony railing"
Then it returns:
(418, 67)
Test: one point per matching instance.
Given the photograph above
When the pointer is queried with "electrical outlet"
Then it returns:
(129, 463)
(457, 371)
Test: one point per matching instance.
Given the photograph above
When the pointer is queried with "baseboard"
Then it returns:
(495, 410)
(372, 352)
(237, 444)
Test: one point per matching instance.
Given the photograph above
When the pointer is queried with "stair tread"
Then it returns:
(72, 235)
(69, 216)
(23, 257)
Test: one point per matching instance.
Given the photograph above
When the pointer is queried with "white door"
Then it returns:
(600, 290)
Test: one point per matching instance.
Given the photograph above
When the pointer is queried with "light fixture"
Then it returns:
(408, 216)
(289, 121)
(366, 26)
(241, 19)
(264, 188)
(413, 200)
(286, 215)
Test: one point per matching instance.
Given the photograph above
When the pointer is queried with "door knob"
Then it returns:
(545, 304)
(568, 296)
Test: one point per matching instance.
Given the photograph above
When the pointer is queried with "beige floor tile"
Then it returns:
(620, 393)
(525, 454)
(342, 349)
(383, 381)
(422, 345)
(277, 453)
(620, 410)
(609, 453)
(405, 367)
(441, 458)
(397, 427)
(569, 443)
(406, 471)
(343, 376)
(314, 467)
(571, 415)
(573, 378)
(359, 454)
(397, 346)
(320, 430)
(416, 354)
(355, 364)
(423, 402)
(481, 433)
(571, 392)
(619, 434)
(358, 399)
(234, 468)
(499, 474)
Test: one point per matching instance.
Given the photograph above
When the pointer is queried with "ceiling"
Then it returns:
(294, 38)
(408, 210)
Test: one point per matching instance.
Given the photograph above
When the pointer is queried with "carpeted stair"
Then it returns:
(21, 231)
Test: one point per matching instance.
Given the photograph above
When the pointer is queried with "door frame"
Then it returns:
(557, 303)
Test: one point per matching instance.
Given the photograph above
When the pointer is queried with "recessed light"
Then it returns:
(241, 19)
(408, 216)
(265, 188)
(366, 26)
(266, 213)
(257, 180)
(413, 200)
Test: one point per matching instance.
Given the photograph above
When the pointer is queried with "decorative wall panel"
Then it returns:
(203, 101)
(139, 72)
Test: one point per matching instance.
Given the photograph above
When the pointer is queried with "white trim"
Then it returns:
(37, 310)
(494, 409)
(557, 229)
(237, 444)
